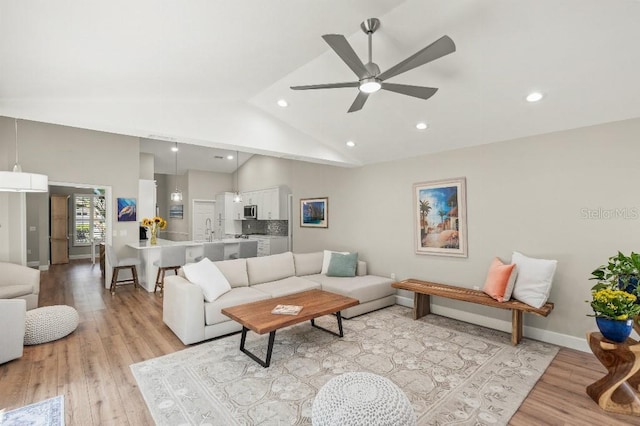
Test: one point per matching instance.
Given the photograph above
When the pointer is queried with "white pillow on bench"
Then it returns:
(535, 276)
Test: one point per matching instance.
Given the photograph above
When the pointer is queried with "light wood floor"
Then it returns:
(91, 366)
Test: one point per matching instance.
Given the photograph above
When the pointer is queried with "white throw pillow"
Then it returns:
(327, 259)
(535, 276)
(207, 275)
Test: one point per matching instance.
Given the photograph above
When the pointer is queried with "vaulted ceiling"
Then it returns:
(209, 72)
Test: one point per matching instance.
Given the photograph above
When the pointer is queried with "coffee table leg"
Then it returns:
(267, 361)
(340, 334)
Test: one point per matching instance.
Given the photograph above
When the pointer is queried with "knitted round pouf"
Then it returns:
(49, 323)
(361, 399)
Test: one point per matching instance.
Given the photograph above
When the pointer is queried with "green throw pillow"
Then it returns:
(343, 265)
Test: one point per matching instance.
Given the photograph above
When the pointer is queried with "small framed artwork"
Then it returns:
(176, 211)
(314, 212)
(440, 211)
(126, 209)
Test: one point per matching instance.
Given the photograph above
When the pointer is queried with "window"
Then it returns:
(88, 218)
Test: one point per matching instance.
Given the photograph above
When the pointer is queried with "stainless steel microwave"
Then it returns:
(251, 211)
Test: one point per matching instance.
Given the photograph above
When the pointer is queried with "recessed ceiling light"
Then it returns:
(534, 97)
(282, 103)
(421, 126)
(351, 144)
(174, 148)
(229, 157)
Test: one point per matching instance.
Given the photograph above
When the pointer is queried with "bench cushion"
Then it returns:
(308, 263)
(235, 271)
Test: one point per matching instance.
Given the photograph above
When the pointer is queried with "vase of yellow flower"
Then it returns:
(154, 225)
(615, 311)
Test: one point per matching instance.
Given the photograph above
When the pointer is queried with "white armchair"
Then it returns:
(12, 318)
(19, 282)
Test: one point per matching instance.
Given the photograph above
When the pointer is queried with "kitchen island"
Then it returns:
(148, 254)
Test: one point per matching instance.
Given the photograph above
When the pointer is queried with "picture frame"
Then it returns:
(176, 211)
(314, 212)
(126, 209)
(440, 217)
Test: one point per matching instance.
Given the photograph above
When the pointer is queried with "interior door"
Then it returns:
(59, 229)
(203, 220)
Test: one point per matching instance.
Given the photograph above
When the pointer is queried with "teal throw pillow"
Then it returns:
(343, 265)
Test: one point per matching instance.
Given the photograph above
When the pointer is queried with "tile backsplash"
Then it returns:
(267, 227)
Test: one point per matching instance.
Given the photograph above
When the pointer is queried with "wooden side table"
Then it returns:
(618, 390)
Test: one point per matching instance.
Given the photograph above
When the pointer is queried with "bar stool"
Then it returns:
(212, 251)
(118, 264)
(171, 258)
(246, 249)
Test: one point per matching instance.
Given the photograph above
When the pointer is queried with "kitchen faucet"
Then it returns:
(208, 230)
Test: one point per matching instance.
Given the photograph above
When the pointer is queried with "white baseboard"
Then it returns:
(44, 267)
(33, 264)
(80, 256)
(547, 336)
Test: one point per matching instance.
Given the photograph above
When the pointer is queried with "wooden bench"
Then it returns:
(424, 290)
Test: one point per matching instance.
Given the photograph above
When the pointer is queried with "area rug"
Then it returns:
(49, 412)
(452, 372)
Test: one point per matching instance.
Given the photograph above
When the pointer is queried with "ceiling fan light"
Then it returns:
(421, 126)
(370, 85)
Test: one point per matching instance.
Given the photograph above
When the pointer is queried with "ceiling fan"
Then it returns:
(370, 79)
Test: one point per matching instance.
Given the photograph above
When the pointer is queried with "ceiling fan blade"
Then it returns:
(341, 46)
(415, 91)
(439, 48)
(359, 102)
(326, 86)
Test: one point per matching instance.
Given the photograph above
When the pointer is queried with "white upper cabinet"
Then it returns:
(146, 199)
(271, 202)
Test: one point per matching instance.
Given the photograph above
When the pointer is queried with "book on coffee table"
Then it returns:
(287, 310)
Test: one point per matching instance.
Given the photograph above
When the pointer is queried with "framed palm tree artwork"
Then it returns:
(440, 217)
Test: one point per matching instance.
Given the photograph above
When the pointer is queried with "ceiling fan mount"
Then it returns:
(370, 79)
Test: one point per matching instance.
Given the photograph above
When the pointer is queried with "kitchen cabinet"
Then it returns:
(146, 199)
(268, 245)
(227, 216)
(271, 202)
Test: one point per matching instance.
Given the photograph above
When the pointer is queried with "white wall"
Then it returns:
(526, 195)
(77, 156)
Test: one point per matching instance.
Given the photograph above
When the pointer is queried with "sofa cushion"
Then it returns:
(326, 259)
(270, 268)
(206, 275)
(343, 265)
(308, 263)
(235, 270)
(287, 286)
(236, 296)
(17, 290)
(364, 288)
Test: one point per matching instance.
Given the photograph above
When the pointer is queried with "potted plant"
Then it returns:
(621, 270)
(615, 311)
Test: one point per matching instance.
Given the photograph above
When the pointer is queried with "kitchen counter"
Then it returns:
(148, 254)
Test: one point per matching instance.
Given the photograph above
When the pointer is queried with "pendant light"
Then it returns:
(176, 196)
(18, 181)
(237, 198)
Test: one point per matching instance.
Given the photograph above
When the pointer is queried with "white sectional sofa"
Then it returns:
(19, 282)
(193, 319)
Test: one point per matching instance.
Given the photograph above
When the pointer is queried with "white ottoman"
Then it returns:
(362, 399)
(49, 323)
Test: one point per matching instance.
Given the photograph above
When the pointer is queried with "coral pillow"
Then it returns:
(500, 280)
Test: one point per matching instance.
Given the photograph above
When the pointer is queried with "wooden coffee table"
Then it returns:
(257, 316)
